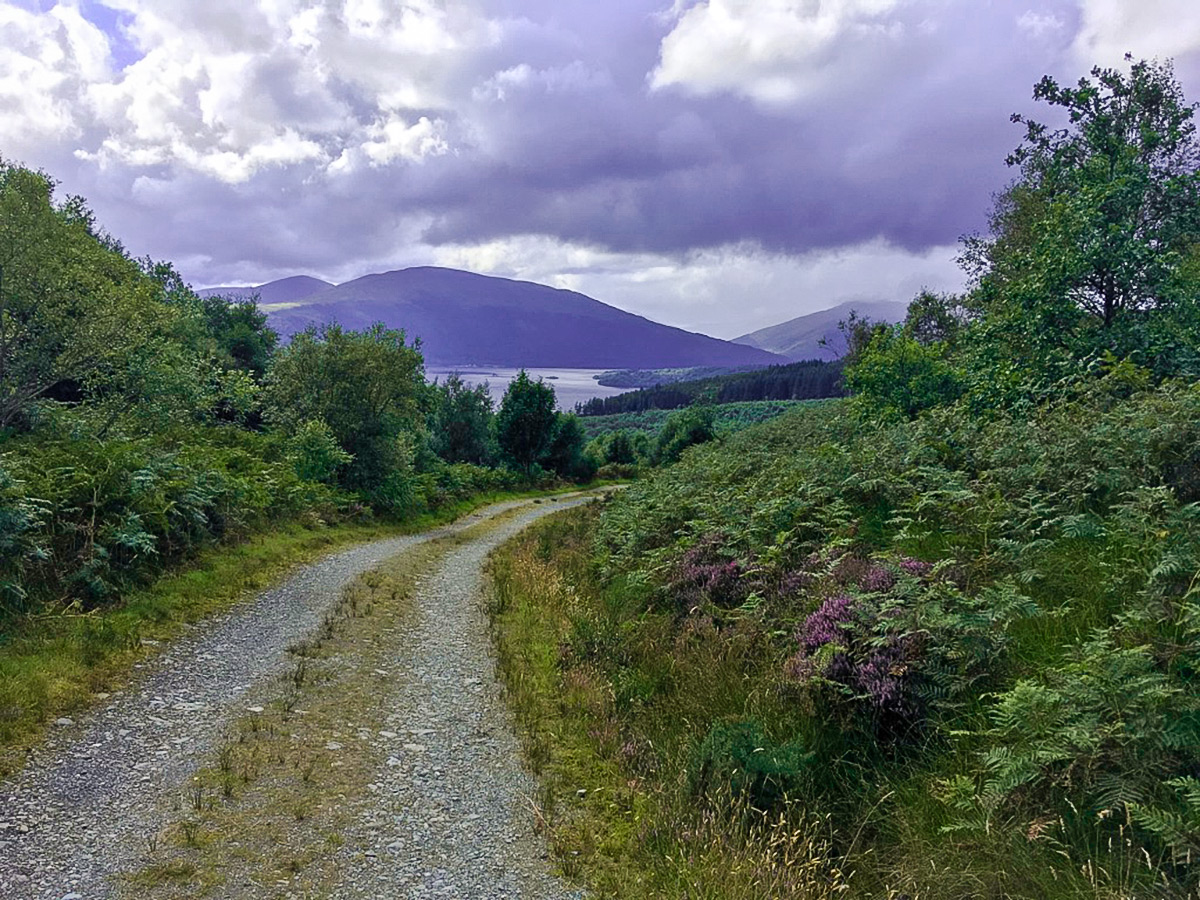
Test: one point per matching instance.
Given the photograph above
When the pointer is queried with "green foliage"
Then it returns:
(739, 758)
(1092, 257)
(366, 386)
(895, 377)
(315, 452)
(684, 429)
(727, 417)
(76, 314)
(86, 519)
(239, 329)
(461, 422)
(995, 612)
(526, 421)
(565, 455)
(809, 380)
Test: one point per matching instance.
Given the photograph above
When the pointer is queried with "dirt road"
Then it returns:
(340, 735)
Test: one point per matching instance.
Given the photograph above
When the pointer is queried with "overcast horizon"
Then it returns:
(720, 166)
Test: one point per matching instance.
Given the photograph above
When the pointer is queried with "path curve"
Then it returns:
(80, 811)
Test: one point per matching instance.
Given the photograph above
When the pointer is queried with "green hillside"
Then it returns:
(940, 639)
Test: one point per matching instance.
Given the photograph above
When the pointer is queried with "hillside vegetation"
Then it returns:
(141, 425)
(810, 380)
(727, 417)
(938, 640)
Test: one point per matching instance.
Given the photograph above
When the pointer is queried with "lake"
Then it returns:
(571, 386)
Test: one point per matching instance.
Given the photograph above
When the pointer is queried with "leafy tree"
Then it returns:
(461, 423)
(565, 455)
(620, 449)
(76, 314)
(315, 452)
(241, 333)
(526, 421)
(683, 429)
(939, 318)
(366, 385)
(1087, 245)
(895, 376)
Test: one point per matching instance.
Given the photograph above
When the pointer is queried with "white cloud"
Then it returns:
(1040, 25)
(43, 60)
(774, 51)
(230, 88)
(726, 291)
(1146, 28)
(396, 139)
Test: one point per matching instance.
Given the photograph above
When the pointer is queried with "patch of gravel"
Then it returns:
(450, 813)
(88, 800)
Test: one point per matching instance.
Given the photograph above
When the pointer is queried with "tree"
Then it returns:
(565, 454)
(526, 420)
(365, 385)
(76, 314)
(896, 376)
(683, 429)
(461, 422)
(239, 329)
(1087, 244)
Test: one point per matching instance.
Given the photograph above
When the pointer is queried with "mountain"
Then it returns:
(285, 290)
(799, 338)
(468, 319)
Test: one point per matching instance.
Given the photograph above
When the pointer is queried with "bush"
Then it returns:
(739, 758)
(684, 429)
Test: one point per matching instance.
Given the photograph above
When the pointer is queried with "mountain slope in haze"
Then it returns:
(463, 318)
(285, 290)
(800, 338)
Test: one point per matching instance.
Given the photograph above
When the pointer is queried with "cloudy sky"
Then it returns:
(717, 164)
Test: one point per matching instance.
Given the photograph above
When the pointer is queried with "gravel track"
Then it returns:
(83, 807)
(449, 814)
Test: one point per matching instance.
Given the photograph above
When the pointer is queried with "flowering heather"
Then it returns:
(839, 643)
(830, 624)
(877, 579)
(917, 567)
(704, 575)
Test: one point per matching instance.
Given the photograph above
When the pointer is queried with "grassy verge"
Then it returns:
(54, 665)
(611, 753)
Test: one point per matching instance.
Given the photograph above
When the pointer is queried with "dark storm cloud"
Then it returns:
(335, 137)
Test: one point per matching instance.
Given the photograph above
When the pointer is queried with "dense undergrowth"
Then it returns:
(726, 417)
(964, 649)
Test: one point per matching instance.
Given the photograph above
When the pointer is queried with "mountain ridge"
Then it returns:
(800, 338)
(464, 318)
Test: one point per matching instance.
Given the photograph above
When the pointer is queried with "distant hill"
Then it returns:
(285, 290)
(800, 338)
(468, 319)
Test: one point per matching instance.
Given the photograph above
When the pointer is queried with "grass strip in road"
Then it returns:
(266, 819)
(51, 666)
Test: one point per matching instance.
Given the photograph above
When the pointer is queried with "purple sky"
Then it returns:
(719, 165)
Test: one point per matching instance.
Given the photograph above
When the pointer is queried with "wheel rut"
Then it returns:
(428, 792)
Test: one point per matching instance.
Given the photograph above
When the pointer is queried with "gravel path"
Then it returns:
(450, 814)
(84, 806)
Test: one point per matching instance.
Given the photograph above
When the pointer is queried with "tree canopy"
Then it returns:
(366, 386)
(526, 420)
(1092, 244)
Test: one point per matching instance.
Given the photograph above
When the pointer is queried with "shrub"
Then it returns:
(738, 757)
